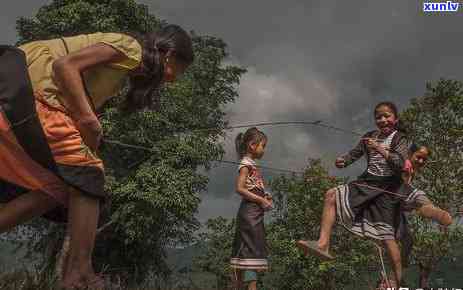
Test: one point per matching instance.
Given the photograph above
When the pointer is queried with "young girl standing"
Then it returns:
(364, 207)
(249, 254)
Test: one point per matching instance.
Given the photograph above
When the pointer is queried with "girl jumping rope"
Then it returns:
(249, 254)
(363, 206)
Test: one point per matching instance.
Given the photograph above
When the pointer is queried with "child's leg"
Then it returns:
(252, 285)
(83, 221)
(250, 277)
(439, 215)
(237, 279)
(394, 254)
(24, 208)
(320, 248)
(328, 219)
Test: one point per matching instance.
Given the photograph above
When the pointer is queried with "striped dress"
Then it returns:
(363, 206)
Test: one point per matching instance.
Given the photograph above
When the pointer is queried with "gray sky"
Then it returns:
(309, 60)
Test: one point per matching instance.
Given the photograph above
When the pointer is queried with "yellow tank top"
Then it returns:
(102, 82)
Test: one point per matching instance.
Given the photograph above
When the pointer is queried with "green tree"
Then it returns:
(217, 241)
(155, 193)
(436, 120)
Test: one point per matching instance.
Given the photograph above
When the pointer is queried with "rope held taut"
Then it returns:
(121, 144)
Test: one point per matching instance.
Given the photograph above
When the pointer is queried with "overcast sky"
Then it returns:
(309, 60)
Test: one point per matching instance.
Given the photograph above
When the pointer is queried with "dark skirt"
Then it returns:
(249, 246)
(365, 209)
(40, 147)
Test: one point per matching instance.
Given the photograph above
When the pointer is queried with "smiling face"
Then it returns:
(386, 119)
(419, 158)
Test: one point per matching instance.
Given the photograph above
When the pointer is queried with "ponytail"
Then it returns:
(243, 140)
(239, 145)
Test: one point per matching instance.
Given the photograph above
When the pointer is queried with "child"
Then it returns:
(364, 207)
(249, 246)
(417, 199)
(49, 131)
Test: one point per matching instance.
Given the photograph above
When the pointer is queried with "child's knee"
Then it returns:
(396, 260)
(330, 196)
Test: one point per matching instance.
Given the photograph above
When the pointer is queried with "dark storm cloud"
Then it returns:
(10, 12)
(311, 60)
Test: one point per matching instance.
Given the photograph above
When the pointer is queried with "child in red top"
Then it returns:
(417, 199)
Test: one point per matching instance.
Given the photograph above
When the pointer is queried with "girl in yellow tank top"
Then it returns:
(62, 83)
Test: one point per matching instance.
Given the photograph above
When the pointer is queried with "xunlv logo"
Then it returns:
(448, 6)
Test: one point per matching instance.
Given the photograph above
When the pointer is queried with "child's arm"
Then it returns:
(395, 156)
(353, 155)
(245, 193)
(398, 154)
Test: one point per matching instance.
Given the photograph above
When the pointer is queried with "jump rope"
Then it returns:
(318, 123)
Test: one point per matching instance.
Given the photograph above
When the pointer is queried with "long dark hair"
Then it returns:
(414, 148)
(243, 140)
(400, 126)
(144, 84)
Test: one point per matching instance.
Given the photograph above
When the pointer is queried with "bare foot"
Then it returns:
(72, 281)
(79, 280)
(386, 284)
(96, 283)
(313, 248)
(324, 247)
(301, 244)
(446, 219)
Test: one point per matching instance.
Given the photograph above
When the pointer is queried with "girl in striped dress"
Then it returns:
(249, 254)
(364, 207)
